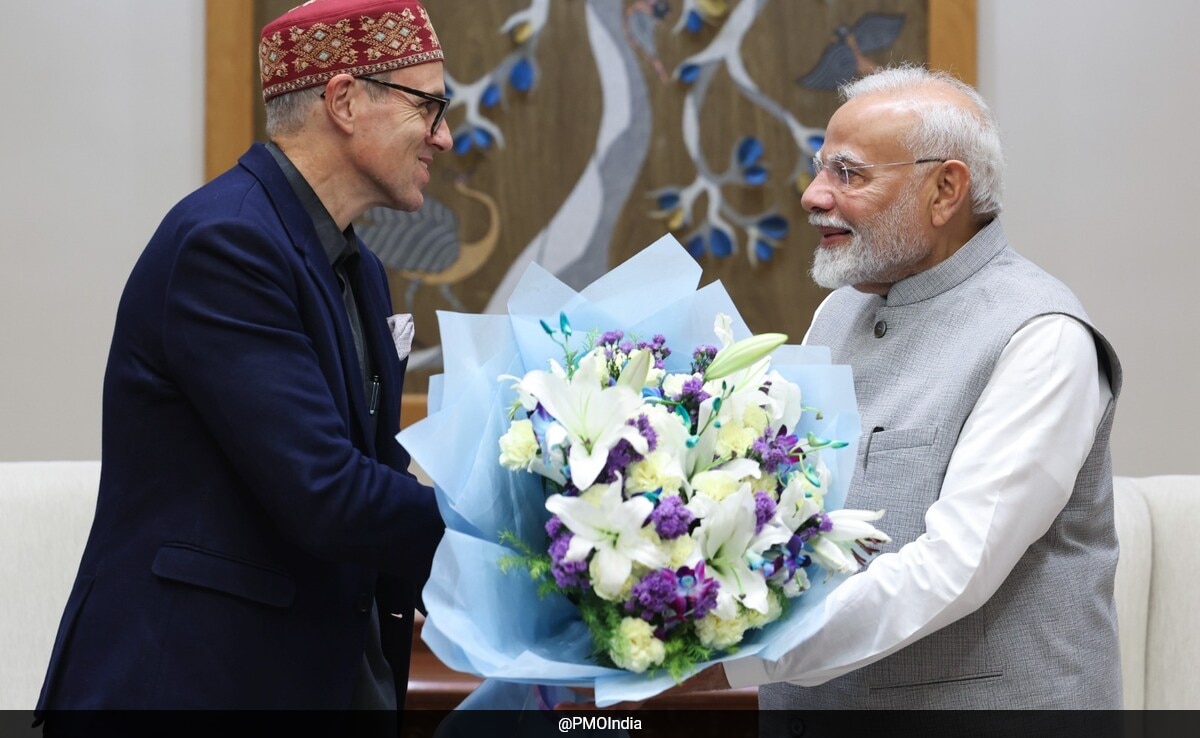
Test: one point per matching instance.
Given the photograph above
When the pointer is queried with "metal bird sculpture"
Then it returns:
(846, 58)
(423, 247)
(642, 19)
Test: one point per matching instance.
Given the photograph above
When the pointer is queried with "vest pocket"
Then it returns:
(881, 442)
(185, 563)
(898, 471)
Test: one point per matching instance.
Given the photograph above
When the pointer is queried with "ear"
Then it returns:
(952, 194)
(340, 102)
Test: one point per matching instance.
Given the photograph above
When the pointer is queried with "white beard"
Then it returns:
(881, 251)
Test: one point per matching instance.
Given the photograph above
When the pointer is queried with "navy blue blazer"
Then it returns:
(246, 517)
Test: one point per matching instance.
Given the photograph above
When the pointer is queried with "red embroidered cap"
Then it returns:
(311, 43)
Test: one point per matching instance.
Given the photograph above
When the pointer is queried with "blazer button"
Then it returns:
(880, 329)
(362, 602)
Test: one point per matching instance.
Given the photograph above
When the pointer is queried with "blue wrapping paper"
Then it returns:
(492, 624)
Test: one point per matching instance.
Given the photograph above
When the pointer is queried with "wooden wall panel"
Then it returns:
(550, 132)
(231, 81)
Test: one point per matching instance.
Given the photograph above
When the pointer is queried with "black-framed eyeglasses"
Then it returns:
(842, 171)
(442, 102)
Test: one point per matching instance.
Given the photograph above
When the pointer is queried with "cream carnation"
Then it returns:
(721, 633)
(656, 471)
(634, 646)
(756, 418)
(518, 446)
(735, 439)
(715, 484)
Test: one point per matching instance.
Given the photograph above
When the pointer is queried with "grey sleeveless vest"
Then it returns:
(921, 358)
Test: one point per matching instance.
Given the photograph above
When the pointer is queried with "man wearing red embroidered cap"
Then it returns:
(258, 541)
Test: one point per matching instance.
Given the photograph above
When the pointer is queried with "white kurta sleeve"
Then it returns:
(1011, 473)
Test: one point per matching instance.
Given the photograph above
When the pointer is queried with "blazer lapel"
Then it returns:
(298, 225)
(375, 306)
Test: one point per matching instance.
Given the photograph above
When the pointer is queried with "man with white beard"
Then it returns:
(987, 401)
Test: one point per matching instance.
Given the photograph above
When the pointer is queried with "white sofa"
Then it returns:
(46, 510)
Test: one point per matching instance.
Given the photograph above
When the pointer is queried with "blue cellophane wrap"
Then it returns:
(492, 624)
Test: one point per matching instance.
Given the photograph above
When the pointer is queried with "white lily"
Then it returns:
(832, 549)
(796, 505)
(709, 488)
(723, 327)
(729, 545)
(784, 401)
(591, 415)
(612, 527)
(854, 525)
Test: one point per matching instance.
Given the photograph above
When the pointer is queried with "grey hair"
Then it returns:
(946, 130)
(286, 113)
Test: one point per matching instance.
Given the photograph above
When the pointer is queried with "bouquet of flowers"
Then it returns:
(662, 499)
(683, 510)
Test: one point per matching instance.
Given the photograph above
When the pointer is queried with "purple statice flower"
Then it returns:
(691, 395)
(764, 510)
(702, 357)
(620, 456)
(673, 597)
(567, 573)
(642, 423)
(610, 338)
(692, 392)
(654, 595)
(775, 450)
(626, 347)
(671, 518)
(657, 347)
(554, 526)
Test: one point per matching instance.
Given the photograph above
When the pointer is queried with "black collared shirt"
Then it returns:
(341, 248)
(375, 688)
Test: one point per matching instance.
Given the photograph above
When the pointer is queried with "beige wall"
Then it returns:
(1097, 100)
(101, 134)
(104, 133)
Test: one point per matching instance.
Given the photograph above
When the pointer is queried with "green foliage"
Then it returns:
(684, 653)
(536, 564)
(602, 621)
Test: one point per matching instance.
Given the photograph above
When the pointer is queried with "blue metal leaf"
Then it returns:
(491, 96)
(688, 73)
(720, 243)
(816, 142)
(668, 200)
(755, 175)
(521, 77)
(749, 151)
(763, 250)
(462, 144)
(774, 227)
(481, 138)
(694, 22)
(449, 91)
(695, 247)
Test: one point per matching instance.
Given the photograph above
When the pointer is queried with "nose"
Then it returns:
(443, 139)
(818, 196)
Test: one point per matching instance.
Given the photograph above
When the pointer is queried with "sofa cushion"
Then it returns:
(1133, 586)
(1173, 643)
(47, 509)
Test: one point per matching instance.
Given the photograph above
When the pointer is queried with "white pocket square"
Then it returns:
(403, 331)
